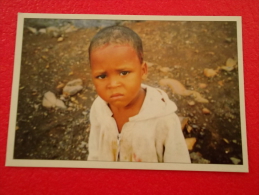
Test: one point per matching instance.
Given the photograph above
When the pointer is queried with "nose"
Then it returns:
(114, 82)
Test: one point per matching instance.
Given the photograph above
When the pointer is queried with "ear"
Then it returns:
(144, 70)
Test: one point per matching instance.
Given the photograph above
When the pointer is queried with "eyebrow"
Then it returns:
(99, 72)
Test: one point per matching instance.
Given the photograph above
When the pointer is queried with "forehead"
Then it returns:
(108, 51)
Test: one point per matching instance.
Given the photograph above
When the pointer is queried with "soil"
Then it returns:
(185, 48)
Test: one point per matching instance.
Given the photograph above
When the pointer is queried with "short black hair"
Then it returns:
(117, 35)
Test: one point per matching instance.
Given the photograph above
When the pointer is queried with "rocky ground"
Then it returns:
(194, 62)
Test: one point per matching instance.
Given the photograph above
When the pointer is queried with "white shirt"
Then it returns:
(153, 135)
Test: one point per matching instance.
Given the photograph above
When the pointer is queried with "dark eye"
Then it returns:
(123, 73)
(102, 76)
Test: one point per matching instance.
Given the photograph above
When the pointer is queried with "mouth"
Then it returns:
(116, 96)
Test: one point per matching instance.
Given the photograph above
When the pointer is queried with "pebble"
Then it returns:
(184, 121)
(49, 100)
(225, 140)
(198, 98)
(235, 161)
(231, 62)
(42, 31)
(165, 69)
(191, 103)
(227, 68)
(229, 40)
(210, 72)
(149, 64)
(32, 30)
(206, 111)
(190, 142)
(189, 129)
(202, 85)
(197, 158)
(176, 86)
(60, 39)
(73, 87)
(60, 104)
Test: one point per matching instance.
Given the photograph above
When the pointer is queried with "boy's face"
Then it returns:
(117, 73)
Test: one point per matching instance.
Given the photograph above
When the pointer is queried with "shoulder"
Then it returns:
(168, 121)
(100, 108)
(97, 108)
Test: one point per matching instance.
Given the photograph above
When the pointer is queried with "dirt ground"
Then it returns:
(173, 50)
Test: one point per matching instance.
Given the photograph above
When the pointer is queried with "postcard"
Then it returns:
(128, 92)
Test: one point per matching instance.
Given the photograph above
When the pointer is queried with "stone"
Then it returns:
(235, 161)
(60, 104)
(73, 87)
(191, 103)
(197, 158)
(221, 83)
(198, 98)
(206, 111)
(42, 31)
(202, 85)
(68, 28)
(60, 85)
(225, 140)
(189, 128)
(210, 72)
(52, 30)
(32, 30)
(190, 142)
(231, 62)
(149, 64)
(175, 86)
(165, 69)
(49, 100)
(60, 39)
(184, 121)
(227, 68)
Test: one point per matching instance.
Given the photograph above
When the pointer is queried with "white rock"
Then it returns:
(149, 64)
(235, 160)
(197, 158)
(191, 103)
(33, 30)
(190, 142)
(60, 39)
(176, 86)
(51, 29)
(68, 28)
(60, 104)
(198, 98)
(72, 90)
(49, 100)
(231, 62)
(75, 82)
(73, 87)
(227, 68)
(206, 111)
(42, 31)
(210, 72)
(165, 69)
(184, 121)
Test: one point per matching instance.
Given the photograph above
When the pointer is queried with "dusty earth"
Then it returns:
(177, 50)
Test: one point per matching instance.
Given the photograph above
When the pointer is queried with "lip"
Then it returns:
(116, 96)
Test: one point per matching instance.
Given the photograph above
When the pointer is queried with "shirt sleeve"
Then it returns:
(175, 146)
(93, 142)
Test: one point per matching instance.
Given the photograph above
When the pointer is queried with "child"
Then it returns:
(129, 121)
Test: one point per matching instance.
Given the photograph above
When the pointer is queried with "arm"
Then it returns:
(175, 145)
(93, 142)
